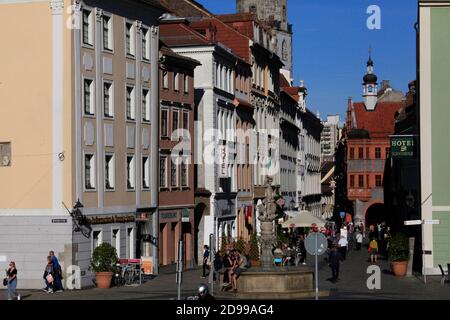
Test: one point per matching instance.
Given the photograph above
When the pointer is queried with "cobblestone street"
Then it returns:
(352, 285)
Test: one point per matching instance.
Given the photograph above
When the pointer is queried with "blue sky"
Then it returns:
(331, 43)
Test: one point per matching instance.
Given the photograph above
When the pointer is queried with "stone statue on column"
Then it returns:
(267, 216)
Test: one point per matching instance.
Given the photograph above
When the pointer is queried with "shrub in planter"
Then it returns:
(223, 244)
(399, 254)
(254, 250)
(240, 245)
(103, 263)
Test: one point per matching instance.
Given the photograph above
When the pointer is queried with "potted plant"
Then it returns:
(254, 251)
(399, 254)
(103, 263)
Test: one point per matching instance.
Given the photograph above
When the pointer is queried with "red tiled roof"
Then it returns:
(233, 17)
(179, 34)
(231, 38)
(380, 122)
(292, 91)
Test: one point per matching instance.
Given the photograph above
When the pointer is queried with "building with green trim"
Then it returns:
(434, 78)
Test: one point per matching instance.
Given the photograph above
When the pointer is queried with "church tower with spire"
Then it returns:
(370, 84)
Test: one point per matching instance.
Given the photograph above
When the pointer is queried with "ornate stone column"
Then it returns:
(267, 217)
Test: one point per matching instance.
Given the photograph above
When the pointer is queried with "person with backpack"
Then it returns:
(58, 286)
(373, 250)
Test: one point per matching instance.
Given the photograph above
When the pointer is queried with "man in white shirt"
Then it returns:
(359, 240)
(343, 243)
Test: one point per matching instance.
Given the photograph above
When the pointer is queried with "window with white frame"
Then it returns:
(165, 78)
(107, 33)
(130, 39)
(146, 172)
(176, 81)
(174, 172)
(115, 240)
(164, 121)
(88, 27)
(185, 172)
(108, 100)
(97, 239)
(130, 243)
(185, 123)
(145, 105)
(89, 171)
(130, 172)
(186, 83)
(109, 172)
(130, 103)
(175, 123)
(88, 97)
(145, 44)
(163, 171)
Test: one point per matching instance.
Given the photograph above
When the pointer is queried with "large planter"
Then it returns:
(399, 268)
(103, 279)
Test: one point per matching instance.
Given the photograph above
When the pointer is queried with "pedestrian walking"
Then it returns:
(359, 241)
(334, 259)
(205, 260)
(302, 250)
(343, 243)
(49, 276)
(58, 286)
(373, 250)
(11, 277)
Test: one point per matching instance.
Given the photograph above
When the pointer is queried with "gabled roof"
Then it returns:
(176, 34)
(379, 122)
(186, 8)
(185, 61)
(236, 41)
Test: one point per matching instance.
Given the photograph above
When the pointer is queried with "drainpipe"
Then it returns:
(154, 143)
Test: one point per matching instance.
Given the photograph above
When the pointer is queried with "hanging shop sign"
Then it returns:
(111, 220)
(403, 146)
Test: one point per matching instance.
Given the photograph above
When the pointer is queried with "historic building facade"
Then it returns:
(274, 14)
(369, 126)
(434, 66)
(92, 144)
(176, 157)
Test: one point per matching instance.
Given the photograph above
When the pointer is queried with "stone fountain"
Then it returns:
(269, 281)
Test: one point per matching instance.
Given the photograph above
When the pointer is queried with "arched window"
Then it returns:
(284, 52)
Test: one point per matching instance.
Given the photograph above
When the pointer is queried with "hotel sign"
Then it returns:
(223, 161)
(403, 146)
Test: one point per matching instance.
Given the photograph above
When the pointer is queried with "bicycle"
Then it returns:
(132, 274)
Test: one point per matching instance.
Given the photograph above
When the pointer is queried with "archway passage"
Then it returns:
(375, 214)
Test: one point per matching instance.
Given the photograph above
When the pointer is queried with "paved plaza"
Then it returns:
(352, 285)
